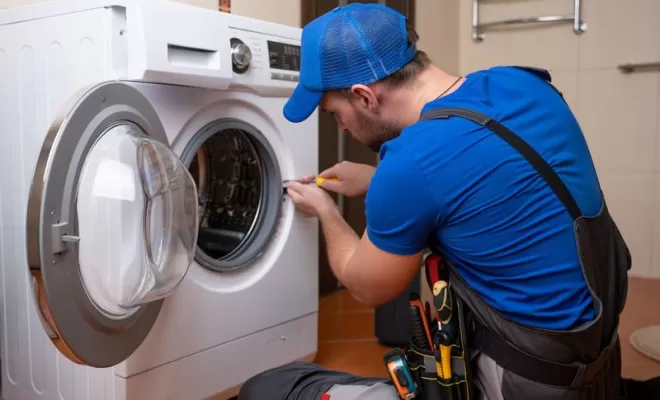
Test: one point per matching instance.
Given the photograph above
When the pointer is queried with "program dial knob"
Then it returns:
(241, 56)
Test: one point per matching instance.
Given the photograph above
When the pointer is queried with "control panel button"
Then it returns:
(241, 56)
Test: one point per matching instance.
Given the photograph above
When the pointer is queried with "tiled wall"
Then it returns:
(620, 113)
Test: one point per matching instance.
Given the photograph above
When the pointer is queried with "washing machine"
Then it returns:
(147, 249)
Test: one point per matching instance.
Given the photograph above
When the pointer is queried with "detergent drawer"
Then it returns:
(178, 44)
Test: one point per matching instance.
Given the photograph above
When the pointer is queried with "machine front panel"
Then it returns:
(256, 259)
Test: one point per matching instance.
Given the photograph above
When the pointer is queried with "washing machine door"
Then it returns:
(111, 224)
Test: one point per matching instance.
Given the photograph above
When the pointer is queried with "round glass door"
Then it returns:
(112, 225)
(136, 236)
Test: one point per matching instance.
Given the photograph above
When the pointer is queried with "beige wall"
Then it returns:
(211, 4)
(437, 24)
(285, 12)
(619, 113)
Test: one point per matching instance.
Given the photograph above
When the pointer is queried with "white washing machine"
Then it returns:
(147, 250)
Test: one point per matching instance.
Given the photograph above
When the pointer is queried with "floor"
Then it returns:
(347, 342)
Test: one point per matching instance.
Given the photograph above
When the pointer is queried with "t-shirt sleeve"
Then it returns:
(400, 207)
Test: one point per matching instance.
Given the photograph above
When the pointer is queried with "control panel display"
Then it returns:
(284, 56)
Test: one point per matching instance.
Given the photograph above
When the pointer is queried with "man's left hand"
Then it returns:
(310, 199)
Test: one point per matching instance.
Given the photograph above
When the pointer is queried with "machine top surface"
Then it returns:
(169, 42)
(47, 9)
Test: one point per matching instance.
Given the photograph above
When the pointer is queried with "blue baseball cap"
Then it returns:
(352, 44)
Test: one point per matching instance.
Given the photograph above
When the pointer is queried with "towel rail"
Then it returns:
(478, 29)
(632, 67)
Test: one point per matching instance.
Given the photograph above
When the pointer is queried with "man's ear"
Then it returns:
(364, 96)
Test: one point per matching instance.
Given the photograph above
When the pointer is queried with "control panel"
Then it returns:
(268, 63)
(285, 59)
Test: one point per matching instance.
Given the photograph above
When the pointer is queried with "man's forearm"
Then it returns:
(341, 241)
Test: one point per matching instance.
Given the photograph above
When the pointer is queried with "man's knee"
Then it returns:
(364, 391)
(298, 381)
(276, 383)
(254, 387)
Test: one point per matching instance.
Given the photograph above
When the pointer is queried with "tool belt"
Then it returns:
(435, 365)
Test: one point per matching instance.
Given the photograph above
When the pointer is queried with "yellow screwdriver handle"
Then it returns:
(446, 361)
(438, 366)
(319, 180)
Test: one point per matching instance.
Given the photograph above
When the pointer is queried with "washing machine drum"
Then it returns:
(239, 191)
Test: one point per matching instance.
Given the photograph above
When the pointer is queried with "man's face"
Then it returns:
(360, 118)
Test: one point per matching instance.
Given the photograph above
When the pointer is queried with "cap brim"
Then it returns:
(302, 104)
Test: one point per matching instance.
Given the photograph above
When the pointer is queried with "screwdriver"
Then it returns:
(422, 326)
(437, 275)
(318, 180)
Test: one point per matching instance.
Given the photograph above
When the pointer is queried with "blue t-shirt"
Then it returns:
(485, 207)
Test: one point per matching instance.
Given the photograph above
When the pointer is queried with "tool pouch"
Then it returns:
(424, 366)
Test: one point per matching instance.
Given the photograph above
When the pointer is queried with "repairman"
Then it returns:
(492, 172)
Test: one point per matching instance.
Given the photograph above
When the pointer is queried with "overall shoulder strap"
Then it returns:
(534, 158)
(540, 73)
(544, 75)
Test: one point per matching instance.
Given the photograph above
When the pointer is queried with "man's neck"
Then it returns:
(429, 85)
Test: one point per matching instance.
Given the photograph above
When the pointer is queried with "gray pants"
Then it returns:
(307, 381)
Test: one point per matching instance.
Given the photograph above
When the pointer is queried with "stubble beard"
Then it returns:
(374, 133)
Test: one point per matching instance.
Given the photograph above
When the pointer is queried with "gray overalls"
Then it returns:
(583, 363)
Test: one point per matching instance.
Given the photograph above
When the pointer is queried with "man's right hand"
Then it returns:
(348, 178)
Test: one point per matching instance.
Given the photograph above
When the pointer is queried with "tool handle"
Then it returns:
(418, 328)
(416, 303)
(436, 269)
(439, 368)
(445, 352)
(319, 180)
(442, 301)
